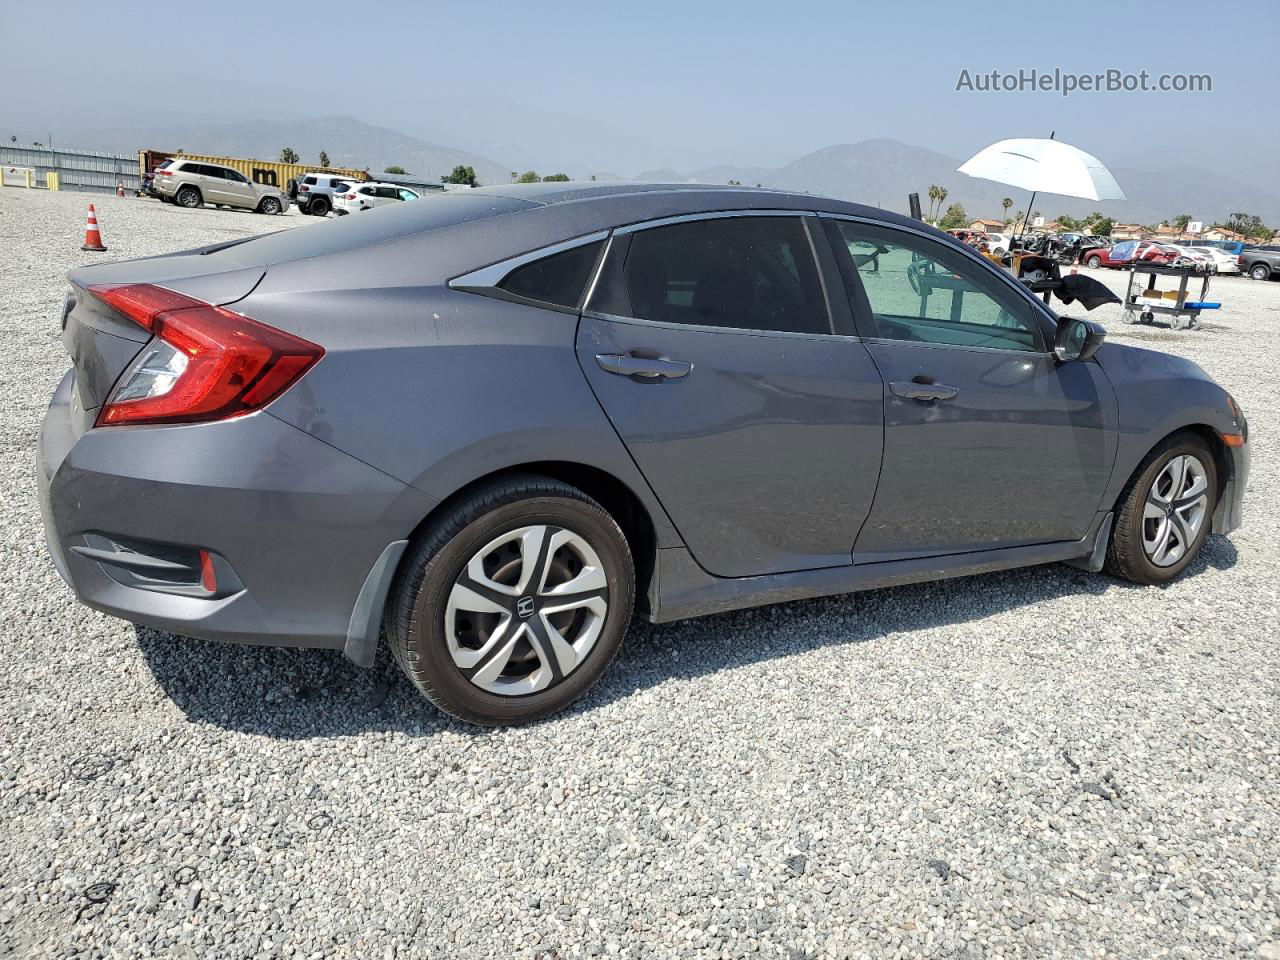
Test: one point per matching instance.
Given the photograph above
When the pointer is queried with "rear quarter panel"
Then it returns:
(439, 388)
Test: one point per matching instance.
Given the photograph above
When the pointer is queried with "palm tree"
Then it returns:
(933, 196)
(942, 198)
(1007, 202)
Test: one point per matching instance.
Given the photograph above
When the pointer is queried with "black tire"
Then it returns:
(1094, 263)
(319, 207)
(188, 197)
(1126, 556)
(270, 206)
(416, 612)
(1259, 271)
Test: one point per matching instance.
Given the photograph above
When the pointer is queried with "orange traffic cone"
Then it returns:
(92, 238)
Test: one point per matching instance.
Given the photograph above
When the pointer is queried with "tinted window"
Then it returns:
(751, 273)
(559, 279)
(920, 291)
(309, 181)
(235, 176)
(367, 191)
(208, 170)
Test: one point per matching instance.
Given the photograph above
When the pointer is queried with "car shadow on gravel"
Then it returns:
(298, 694)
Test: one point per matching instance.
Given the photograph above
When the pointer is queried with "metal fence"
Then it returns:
(85, 170)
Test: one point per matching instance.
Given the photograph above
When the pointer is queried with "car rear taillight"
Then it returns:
(304, 189)
(204, 363)
(1239, 259)
(165, 173)
(350, 196)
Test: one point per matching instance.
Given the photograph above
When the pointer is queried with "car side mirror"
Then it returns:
(1077, 339)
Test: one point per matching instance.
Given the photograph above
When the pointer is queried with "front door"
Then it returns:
(989, 441)
(708, 343)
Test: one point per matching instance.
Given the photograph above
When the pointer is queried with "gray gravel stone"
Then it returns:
(275, 803)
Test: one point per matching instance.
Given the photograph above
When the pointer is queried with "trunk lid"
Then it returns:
(102, 343)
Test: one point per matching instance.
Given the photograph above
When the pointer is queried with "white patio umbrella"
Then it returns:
(1044, 166)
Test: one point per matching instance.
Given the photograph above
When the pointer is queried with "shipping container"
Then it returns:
(267, 172)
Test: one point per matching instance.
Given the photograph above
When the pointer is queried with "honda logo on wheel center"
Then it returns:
(524, 607)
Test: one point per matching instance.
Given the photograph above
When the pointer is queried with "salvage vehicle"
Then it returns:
(494, 423)
(191, 183)
(315, 192)
(1122, 254)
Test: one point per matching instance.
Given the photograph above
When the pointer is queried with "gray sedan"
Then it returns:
(489, 425)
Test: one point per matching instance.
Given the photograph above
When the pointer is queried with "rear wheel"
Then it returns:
(1094, 263)
(511, 606)
(1259, 271)
(1165, 514)
(269, 206)
(319, 207)
(188, 197)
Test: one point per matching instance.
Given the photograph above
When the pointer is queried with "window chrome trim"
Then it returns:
(708, 328)
(486, 279)
(1042, 309)
(708, 215)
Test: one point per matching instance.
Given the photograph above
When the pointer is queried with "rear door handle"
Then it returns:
(643, 368)
(913, 390)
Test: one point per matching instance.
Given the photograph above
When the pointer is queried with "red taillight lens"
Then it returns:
(206, 363)
(304, 189)
(350, 196)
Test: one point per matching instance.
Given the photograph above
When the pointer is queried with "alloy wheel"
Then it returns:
(526, 610)
(1175, 510)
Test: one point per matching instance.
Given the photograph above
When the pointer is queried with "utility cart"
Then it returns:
(1141, 304)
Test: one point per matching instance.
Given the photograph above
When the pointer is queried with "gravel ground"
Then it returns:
(1039, 763)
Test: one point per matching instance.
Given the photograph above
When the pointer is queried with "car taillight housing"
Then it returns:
(350, 196)
(204, 362)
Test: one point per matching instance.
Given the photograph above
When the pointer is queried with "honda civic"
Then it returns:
(485, 428)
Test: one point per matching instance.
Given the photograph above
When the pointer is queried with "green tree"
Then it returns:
(933, 199)
(324, 159)
(1180, 222)
(529, 176)
(1007, 202)
(1102, 226)
(1069, 223)
(556, 178)
(1249, 224)
(461, 174)
(288, 155)
(954, 217)
(395, 168)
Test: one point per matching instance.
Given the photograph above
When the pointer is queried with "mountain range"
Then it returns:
(878, 172)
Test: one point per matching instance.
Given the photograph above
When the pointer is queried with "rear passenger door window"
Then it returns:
(745, 273)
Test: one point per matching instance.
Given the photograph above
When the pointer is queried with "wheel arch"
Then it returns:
(1222, 460)
(617, 498)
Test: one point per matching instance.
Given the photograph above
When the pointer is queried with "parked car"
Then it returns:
(977, 239)
(366, 196)
(1200, 260)
(576, 400)
(1125, 253)
(190, 183)
(1223, 261)
(1259, 263)
(999, 242)
(316, 191)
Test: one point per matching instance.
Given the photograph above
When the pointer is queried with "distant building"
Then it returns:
(987, 226)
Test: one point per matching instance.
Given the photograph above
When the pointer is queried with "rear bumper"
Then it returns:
(301, 524)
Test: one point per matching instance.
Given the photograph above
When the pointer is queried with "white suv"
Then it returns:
(316, 192)
(366, 196)
(190, 183)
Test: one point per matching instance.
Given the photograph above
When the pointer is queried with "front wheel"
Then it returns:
(1165, 513)
(512, 604)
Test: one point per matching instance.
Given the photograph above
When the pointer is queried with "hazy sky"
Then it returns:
(681, 85)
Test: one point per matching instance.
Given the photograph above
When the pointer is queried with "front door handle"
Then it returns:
(643, 368)
(915, 390)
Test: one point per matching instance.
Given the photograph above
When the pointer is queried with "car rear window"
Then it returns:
(350, 233)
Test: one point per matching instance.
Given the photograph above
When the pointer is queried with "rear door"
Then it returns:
(989, 441)
(239, 190)
(708, 342)
(213, 185)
